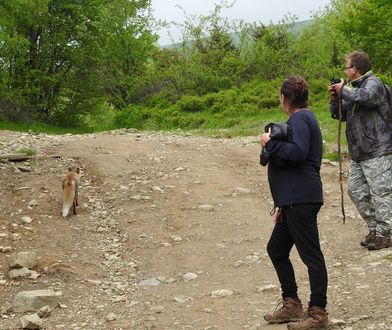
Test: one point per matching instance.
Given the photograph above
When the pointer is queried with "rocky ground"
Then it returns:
(171, 233)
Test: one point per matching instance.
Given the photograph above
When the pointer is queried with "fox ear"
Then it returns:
(70, 169)
(78, 170)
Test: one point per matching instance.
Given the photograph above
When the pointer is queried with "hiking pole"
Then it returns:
(340, 105)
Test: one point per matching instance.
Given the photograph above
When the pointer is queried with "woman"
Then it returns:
(297, 193)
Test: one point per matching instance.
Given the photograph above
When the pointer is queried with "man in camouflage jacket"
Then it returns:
(368, 119)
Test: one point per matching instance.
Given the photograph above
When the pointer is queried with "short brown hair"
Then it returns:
(295, 90)
(360, 60)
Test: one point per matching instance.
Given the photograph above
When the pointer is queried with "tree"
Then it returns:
(59, 58)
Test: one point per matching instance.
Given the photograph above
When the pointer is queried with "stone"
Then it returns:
(111, 317)
(241, 190)
(221, 293)
(23, 259)
(26, 301)
(206, 207)
(27, 220)
(6, 309)
(31, 321)
(19, 273)
(150, 282)
(267, 288)
(189, 277)
(44, 312)
(33, 202)
(5, 249)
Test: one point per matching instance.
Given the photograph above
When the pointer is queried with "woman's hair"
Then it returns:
(360, 60)
(295, 90)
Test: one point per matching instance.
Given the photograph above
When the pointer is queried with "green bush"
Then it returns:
(132, 116)
(190, 103)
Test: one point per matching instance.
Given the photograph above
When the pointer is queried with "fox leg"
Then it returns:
(74, 203)
(76, 193)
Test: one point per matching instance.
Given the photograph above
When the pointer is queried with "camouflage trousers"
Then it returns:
(370, 189)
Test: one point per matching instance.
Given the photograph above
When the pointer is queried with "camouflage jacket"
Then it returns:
(364, 102)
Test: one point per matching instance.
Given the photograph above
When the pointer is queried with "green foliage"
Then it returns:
(59, 58)
(131, 117)
(27, 151)
(95, 65)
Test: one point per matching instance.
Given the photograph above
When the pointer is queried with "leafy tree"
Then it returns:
(272, 54)
(59, 58)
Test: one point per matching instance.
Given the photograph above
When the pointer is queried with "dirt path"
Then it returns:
(171, 234)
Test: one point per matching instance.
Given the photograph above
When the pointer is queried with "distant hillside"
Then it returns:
(298, 26)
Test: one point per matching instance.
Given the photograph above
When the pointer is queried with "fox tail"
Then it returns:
(68, 197)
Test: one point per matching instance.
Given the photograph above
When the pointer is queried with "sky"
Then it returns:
(264, 11)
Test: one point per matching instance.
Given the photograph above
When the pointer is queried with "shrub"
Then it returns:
(190, 103)
(132, 116)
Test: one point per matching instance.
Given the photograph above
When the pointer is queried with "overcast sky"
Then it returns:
(264, 11)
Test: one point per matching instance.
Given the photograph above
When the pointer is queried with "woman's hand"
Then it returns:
(265, 137)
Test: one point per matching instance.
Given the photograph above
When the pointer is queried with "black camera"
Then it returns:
(335, 81)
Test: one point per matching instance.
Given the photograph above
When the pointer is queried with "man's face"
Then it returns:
(350, 70)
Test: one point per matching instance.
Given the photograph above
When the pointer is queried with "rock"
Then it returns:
(33, 202)
(31, 321)
(26, 301)
(267, 288)
(27, 220)
(23, 259)
(6, 309)
(241, 190)
(5, 249)
(252, 258)
(19, 273)
(221, 293)
(150, 282)
(336, 322)
(111, 317)
(44, 312)
(206, 207)
(189, 277)
(180, 299)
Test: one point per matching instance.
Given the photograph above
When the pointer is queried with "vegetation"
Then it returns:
(91, 65)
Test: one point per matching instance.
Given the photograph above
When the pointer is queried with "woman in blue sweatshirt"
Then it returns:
(297, 193)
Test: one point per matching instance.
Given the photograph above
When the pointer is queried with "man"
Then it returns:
(369, 135)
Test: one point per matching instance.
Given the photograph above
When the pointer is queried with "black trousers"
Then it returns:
(299, 226)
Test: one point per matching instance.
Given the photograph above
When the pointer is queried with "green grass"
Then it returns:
(388, 257)
(41, 128)
(27, 151)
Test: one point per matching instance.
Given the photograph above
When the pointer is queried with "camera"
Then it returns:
(335, 81)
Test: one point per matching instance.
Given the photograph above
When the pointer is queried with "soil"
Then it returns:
(171, 233)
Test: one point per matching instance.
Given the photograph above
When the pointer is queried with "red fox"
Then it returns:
(70, 191)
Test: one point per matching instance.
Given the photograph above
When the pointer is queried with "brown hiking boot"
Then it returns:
(380, 242)
(369, 238)
(315, 318)
(287, 310)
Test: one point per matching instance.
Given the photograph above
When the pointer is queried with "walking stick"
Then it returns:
(340, 105)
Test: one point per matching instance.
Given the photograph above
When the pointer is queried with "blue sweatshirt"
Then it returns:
(299, 182)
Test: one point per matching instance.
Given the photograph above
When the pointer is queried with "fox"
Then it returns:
(70, 186)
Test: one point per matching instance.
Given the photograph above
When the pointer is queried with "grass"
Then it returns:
(40, 128)
(233, 122)
(27, 151)
(388, 257)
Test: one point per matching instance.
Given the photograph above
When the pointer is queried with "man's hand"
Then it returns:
(335, 89)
